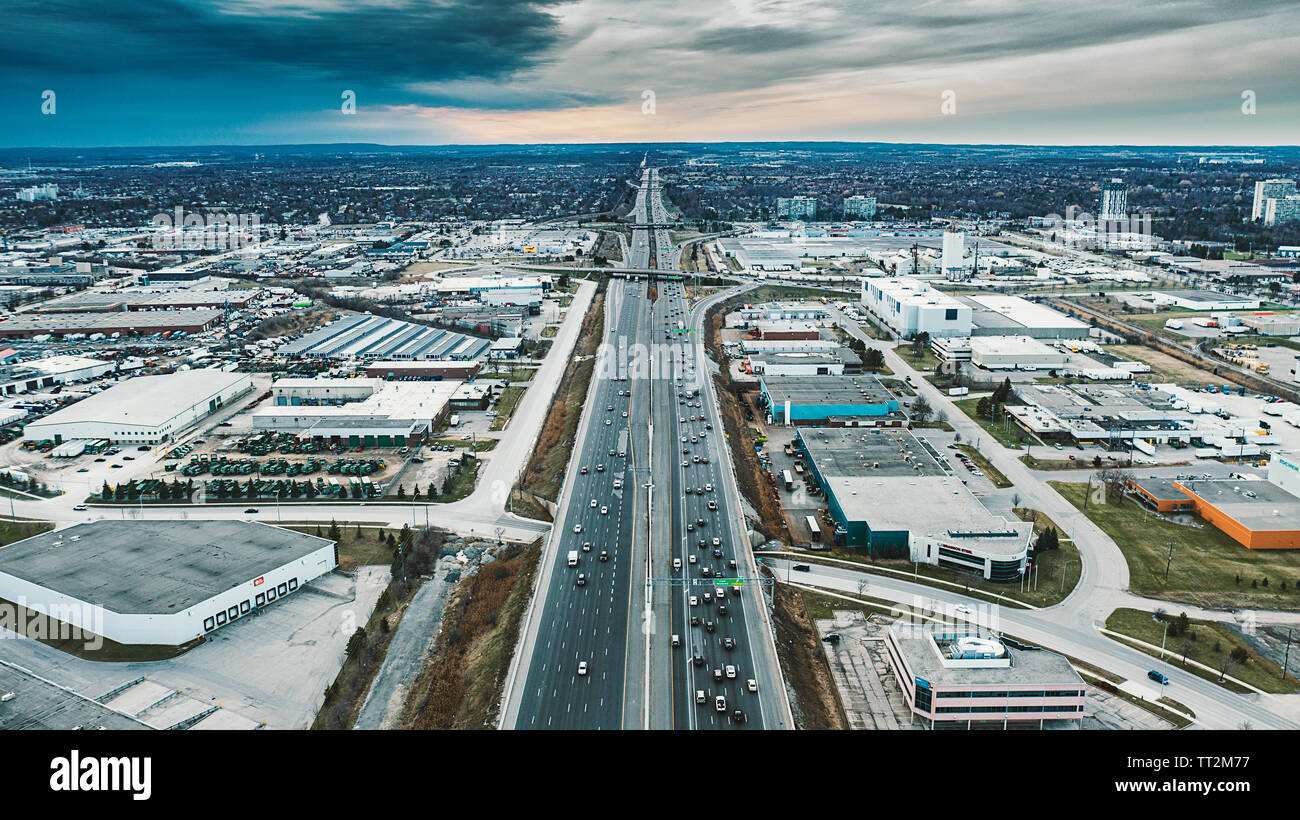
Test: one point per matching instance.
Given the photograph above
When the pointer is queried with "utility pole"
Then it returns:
(1169, 560)
(1286, 658)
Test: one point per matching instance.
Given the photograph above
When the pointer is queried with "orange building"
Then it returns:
(1259, 515)
(1161, 494)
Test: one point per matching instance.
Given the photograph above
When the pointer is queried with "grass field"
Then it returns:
(505, 406)
(926, 361)
(1008, 434)
(356, 550)
(1198, 644)
(1206, 563)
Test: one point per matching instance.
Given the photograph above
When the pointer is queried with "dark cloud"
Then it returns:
(384, 46)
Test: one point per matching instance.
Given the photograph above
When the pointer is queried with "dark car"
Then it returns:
(708, 625)
(728, 643)
(832, 637)
(698, 660)
(801, 568)
(1158, 677)
(250, 510)
(604, 555)
(738, 715)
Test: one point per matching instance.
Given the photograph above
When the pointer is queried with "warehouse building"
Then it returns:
(423, 369)
(25, 377)
(891, 494)
(787, 331)
(995, 314)
(160, 582)
(125, 300)
(809, 400)
(1257, 514)
(144, 409)
(835, 362)
(126, 324)
(910, 306)
(1014, 352)
(1202, 300)
(776, 311)
(357, 412)
(955, 676)
(364, 336)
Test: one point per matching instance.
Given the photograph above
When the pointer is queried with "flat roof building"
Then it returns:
(955, 675)
(160, 582)
(815, 399)
(357, 412)
(894, 495)
(994, 314)
(1013, 352)
(143, 409)
(127, 324)
(910, 306)
(1256, 514)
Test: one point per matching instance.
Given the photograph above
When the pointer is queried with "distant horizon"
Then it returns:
(652, 143)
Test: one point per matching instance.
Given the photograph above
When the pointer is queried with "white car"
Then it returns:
(677, 563)
(717, 542)
(593, 503)
(751, 685)
(608, 422)
(731, 671)
(708, 488)
(965, 610)
(695, 601)
(624, 414)
(577, 528)
(618, 484)
(582, 668)
(604, 510)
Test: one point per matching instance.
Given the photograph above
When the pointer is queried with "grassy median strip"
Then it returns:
(1207, 569)
(1214, 644)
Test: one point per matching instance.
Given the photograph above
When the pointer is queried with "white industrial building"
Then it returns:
(369, 412)
(25, 377)
(144, 409)
(995, 314)
(159, 582)
(1014, 352)
(909, 306)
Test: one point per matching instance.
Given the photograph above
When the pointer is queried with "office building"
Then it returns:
(956, 676)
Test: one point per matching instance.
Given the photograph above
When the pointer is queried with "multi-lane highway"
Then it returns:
(629, 627)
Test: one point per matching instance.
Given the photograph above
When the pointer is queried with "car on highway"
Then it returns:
(594, 504)
(677, 563)
(695, 620)
(708, 625)
(738, 716)
(722, 609)
(577, 528)
(832, 637)
(801, 568)
(250, 510)
(717, 552)
(717, 542)
(583, 470)
(677, 641)
(586, 546)
(692, 559)
(582, 668)
(698, 659)
(694, 601)
(731, 671)
(608, 422)
(720, 702)
(717, 675)
(1158, 677)
(618, 483)
(604, 510)
(83, 470)
(751, 685)
(80, 508)
(600, 468)
(582, 579)
(708, 488)
(729, 643)
(700, 697)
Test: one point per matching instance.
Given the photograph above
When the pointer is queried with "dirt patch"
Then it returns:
(815, 701)
(460, 686)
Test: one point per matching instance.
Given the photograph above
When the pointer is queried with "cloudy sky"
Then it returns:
(183, 72)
